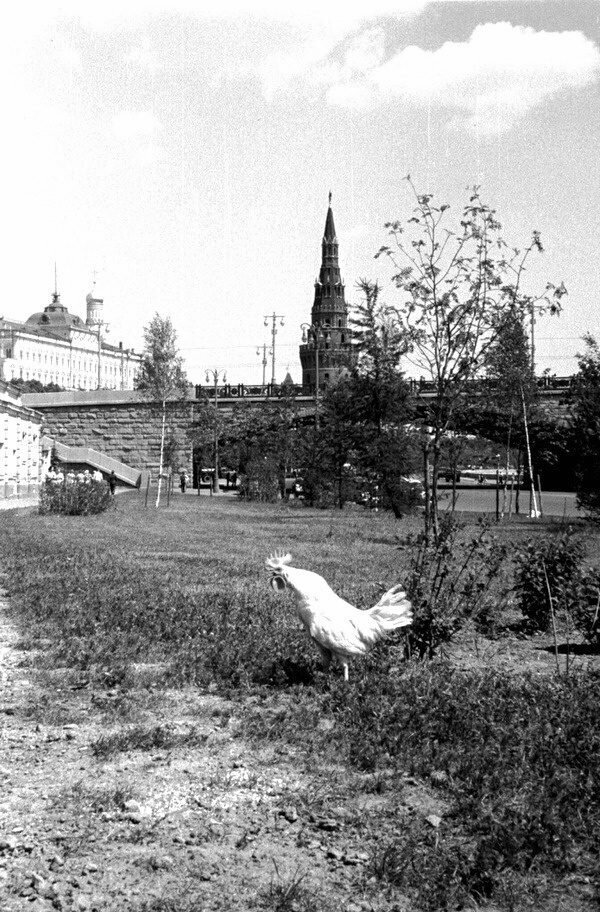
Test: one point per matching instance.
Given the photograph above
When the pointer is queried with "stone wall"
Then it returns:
(129, 432)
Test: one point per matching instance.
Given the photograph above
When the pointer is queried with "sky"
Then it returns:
(183, 151)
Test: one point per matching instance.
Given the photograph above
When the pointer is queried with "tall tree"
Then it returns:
(161, 375)
(456, 288)
(511, 393)
(586, 426)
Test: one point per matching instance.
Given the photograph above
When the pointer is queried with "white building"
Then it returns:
(21, 457)
(54, 346)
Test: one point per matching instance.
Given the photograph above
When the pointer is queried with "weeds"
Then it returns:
(145, 738)
(288, 894)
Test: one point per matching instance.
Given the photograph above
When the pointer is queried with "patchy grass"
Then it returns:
(514, 756)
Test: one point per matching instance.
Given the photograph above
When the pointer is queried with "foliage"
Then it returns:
(458, 290)
(553, 561)
(451, 583)
(508, 367)
(518, 760)
(34, 386)
(74, 494)
(161, 375)
(586, 422)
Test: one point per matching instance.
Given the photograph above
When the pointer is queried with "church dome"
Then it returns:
(54, 316)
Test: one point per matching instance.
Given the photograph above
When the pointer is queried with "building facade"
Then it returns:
(21, 458)
(55, 346)
(326, 343)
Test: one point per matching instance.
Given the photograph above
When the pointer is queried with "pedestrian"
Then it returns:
(112, 482)
(183, 481)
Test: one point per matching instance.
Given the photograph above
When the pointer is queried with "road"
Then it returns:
(483, 500)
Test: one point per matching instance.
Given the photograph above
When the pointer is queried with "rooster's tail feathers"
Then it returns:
(277, 560)
(394, 596)
(393, 610)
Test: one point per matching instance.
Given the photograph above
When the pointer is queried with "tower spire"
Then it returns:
(323, 356)
(55, 294)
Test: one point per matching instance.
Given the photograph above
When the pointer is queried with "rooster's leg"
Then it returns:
(325, 653)
(345, 664)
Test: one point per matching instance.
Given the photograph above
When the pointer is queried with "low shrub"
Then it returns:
(452, 582)
(550, 561)
(586, 607)
(75, 494)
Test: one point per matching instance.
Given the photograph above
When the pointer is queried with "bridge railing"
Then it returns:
(417, 387)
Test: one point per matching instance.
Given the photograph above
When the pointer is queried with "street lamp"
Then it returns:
(216, 374)
(264, 349)
(312, 334)
(273, 318)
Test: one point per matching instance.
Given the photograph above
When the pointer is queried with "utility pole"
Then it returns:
(99, 326)
(263, 347)
(273, 318)
(216, 374)
(313, 334)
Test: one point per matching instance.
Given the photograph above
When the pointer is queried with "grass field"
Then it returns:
(506, 750)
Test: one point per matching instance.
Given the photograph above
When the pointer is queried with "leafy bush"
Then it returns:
(586, 607)
(75, 494)
(260, 481)
(549, 561)
(451, 583)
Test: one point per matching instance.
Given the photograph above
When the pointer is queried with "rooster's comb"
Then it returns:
(277, 560)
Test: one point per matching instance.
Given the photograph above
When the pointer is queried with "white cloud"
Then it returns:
(143, 55)
(135, 124)
(489, 82)
(150, 154)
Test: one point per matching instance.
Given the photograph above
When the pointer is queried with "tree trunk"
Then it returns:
(427, 492)
(533, 512)
(504, 493)
(162, 451)
(435, 471)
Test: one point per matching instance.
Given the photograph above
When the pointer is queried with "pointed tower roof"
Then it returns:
(329, 234)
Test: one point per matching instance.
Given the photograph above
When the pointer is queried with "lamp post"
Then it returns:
(263, 348)
(312, 334)
(216, 374)
(273, 318)
(532, 309)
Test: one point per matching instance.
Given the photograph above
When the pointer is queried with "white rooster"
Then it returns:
(336, 627)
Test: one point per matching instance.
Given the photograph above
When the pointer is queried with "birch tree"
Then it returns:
(456, 286)
(161, 375)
